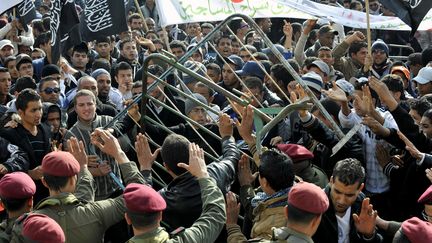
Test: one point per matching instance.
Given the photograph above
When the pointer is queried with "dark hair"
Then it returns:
(234, 25)
(156, 70)
(276, 167)
(56, 183)
(281, 74)
(101, 63)
(331, 106)
(309, 60)
(38, 25)
(419, 105)
(14, 204)
(222, 37)
(203, 85)
(214, 67)
(137, 84)
(6, 62)
(394, 83)
(254, 83)
(25, 82)
(177, 44)
(296, 27)
(299, 216)
(122, 66)
(324, 48)
(124, 41)
(26, 96)
(428, 114)
(44, 80)
(142, 220)
(356, 47)
(426, 56)
(349, 171)
(358, 86)
(3, 70)
(354, 3)
(42, 39)
(133, 16)
(180, 145)
(103, 39)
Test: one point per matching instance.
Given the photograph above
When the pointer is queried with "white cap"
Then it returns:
(5, 42)
(424, 76)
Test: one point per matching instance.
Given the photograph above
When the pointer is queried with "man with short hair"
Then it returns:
(104, 48)
(145, 218)
(5, 84)
(350, 217)
(87, 121)
(357, 52)
(128, 54)
(178, 48)
(224, 46)
(80, 57)
(265, 24)
(31, 136)
(124, 78)
(135, 22)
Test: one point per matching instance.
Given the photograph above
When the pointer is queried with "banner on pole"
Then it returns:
(187, 11)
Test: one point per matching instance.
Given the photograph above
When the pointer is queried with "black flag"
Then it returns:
(411, 12)
(64, 19)
(27, 12)
(103, 18)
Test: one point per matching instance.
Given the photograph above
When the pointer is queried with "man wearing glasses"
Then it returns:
(49, 90)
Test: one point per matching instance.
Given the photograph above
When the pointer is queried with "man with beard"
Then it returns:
(107, 94)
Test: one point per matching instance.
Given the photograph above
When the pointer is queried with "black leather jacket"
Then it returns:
(328, 229)
(183, 194)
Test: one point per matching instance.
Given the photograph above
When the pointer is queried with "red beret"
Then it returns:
(59, 163)
(17, 185)
(426, 197)
(308, 197)
(295, 152)
(43, 229)
(417, 230)
(143, 199)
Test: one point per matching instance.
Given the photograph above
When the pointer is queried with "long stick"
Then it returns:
(141, 14)
(368, 30)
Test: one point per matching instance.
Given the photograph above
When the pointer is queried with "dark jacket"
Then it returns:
(13, 157)
(183, 194)
(327, 140)
(328, 229)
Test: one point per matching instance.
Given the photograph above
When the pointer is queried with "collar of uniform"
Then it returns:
(156, 235)
(61, 199)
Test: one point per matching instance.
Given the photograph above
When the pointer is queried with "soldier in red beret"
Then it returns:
(72, 204)
(302, 165)
(39, 228)
(16, 194)
(414, 230)
(145, 217)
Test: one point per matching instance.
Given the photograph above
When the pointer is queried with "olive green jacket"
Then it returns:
(207, 227)
(6, 230)
(282, 234)
(82, 219)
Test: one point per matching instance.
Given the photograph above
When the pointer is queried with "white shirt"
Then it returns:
(344, 226)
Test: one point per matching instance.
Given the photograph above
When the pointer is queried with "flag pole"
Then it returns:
(368, 30)
(141, 14)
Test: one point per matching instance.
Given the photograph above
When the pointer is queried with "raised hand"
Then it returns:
(382, 154)
(197, 165)
(366, 221)
(108, 144)
(310, 24)
(232, 208)
(335, 93)
(245, 127)
(144, 154)
(245, 175)
(355, 37)
(225, 125)
(77, 150)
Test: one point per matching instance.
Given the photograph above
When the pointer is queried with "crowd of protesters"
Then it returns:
(200, 174)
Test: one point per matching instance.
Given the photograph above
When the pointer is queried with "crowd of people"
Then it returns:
(191, 168)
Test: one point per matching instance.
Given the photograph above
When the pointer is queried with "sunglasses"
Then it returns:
(51, 90)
